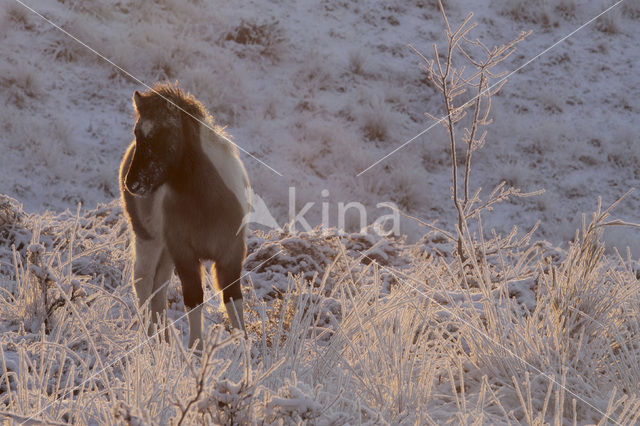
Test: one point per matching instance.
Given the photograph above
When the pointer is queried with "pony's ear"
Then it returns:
(137, 97)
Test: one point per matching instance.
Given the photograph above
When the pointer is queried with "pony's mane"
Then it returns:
(184, 100)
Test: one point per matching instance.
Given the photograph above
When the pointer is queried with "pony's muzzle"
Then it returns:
(135, 188)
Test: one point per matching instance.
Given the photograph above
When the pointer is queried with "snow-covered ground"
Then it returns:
(320, 91)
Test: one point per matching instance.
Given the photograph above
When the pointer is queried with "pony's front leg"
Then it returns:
(147, 256)
(164, 268)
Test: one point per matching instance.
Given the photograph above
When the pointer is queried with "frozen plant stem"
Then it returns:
(452, 82)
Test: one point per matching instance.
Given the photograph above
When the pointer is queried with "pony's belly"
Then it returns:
(201, 226)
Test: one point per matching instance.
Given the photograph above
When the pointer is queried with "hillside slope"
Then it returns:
(320, 91)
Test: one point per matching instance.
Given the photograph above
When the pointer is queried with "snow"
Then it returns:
(368, 327)
(320, 93)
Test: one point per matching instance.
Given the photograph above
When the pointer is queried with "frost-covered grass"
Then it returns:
(342, 328)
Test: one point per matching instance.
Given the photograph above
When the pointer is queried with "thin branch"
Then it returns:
(472, 133)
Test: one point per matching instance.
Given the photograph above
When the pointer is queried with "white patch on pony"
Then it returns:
(224, 157)
(148, 253)
(145, 127)
(151, 213)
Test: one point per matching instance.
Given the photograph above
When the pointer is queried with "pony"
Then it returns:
(185, 192)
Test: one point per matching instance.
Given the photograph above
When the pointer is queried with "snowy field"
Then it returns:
(345, 327)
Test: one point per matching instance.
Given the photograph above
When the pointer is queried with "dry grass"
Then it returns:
(516, 333)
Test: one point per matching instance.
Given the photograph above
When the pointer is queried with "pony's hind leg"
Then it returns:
(188, 269)
(228, 280)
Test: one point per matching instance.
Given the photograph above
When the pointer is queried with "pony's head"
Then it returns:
(166, 121)
(159, 139)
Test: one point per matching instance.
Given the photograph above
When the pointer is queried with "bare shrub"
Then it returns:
(267, 37)
(357, 61)
(453, 81)
(541, 12)
(18, 14)
(631, 9)
(375, 125)
(22, 81)
(609, 23)
(314, 74)
(100, 10)
(377, 118)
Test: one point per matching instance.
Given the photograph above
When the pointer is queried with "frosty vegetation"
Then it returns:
(465, 325)
(343, 328)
